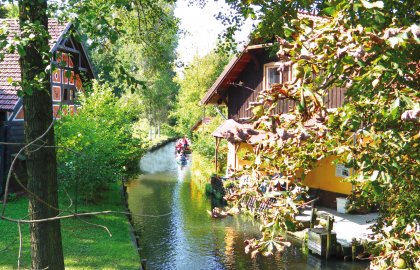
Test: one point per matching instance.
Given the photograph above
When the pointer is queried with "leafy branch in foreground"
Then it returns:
(372, 50)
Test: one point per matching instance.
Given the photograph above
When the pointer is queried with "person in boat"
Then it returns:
(185, 142)
(183, 158)
(179, 146)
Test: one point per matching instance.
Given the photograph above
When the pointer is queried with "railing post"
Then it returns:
(313, 218)
(330, 222)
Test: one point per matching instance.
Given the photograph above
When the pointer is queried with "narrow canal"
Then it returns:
(185, 236)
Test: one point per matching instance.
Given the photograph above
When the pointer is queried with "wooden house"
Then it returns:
(253, 70)
(71, 70)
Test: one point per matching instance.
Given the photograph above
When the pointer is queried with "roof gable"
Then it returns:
(234, 68)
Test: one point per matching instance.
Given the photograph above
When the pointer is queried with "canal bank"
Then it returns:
(184, 236)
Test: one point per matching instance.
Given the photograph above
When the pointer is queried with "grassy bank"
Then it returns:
(201, 170)
(85, 246)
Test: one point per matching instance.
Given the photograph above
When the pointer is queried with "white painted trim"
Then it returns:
(276, 64)
(19, 120)
(267, 66)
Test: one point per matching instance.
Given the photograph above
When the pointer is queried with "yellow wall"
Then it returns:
(233, 160)
(231, 156)
(244, 147)
(323, 177)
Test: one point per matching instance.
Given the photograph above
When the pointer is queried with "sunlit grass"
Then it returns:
(85, 246)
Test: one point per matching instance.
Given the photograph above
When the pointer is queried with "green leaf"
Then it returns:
(288, 31)
(21, 50)
(290, 225)
(258, 110)
(394, 109)
(329, 10)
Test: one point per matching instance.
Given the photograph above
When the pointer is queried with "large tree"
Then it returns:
(46, 246)
(196, 79)
(33, 48)
(141, 62)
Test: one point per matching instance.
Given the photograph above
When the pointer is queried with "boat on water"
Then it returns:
(183, 146)
(182, 150)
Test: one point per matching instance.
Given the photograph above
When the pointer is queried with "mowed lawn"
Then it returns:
(85, 246)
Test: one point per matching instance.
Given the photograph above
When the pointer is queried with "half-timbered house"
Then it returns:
(252, 71)
(71, 71)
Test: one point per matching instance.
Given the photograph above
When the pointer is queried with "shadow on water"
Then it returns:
(187, 237)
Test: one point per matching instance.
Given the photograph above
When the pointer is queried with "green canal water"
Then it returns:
(184, 236)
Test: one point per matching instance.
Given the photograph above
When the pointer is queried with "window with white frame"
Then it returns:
(272, 74)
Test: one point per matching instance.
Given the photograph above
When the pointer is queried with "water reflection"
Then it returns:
(188, 238)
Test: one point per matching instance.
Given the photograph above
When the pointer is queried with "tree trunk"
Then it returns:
(46, 246)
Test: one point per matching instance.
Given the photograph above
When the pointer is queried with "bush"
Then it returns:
(204, 144)
(209, 189)
(95, 145)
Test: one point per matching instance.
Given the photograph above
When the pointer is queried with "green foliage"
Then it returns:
(208, 189)
(132, 44)
(360, 204)
(78, 239)
(96, 144)
(201, 171)
(371, 49)
(205, 144)
(196, 80)
(8, 11)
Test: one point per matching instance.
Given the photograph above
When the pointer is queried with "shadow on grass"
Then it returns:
(85, 246)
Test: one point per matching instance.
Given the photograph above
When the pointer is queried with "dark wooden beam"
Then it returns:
(67, 49)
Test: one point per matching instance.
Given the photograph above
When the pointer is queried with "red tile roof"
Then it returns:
(9, 67)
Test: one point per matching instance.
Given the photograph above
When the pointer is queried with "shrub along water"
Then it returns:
(96, 145)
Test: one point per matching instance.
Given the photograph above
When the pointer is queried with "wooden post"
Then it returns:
(237, 145)
(353, 249)
(216, 154)
(313, 218)
(330, 222)
(143, 264)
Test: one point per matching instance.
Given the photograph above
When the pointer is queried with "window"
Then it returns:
(65, 94)
(69, 95)
(272, 75)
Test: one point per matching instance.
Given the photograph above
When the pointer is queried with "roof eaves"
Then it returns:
(61, 37)
(219, 80)
(95, 76)
(229, 67)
